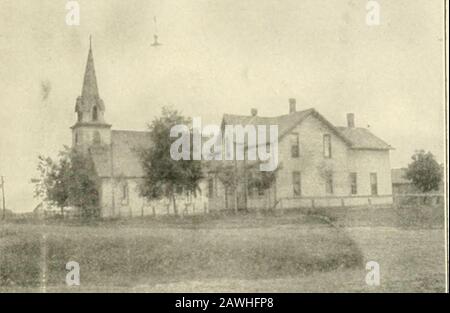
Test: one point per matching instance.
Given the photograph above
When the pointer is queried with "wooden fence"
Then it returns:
(433, 199)
(333, 201)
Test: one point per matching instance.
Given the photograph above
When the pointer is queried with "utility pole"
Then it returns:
(3, 198)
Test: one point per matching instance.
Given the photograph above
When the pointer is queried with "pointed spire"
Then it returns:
(90, 89)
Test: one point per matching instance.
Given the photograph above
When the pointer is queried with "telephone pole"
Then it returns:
(3, 198)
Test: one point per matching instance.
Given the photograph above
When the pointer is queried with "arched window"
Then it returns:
(95, 113)
(97, 139)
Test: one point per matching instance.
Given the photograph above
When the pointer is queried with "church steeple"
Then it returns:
(90, 89)
(90, 127)
(89, 106)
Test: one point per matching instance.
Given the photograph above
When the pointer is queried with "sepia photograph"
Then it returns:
(205, 146)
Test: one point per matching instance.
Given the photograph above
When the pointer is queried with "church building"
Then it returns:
(115, 156)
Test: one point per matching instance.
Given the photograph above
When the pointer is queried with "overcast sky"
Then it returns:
(218, 57)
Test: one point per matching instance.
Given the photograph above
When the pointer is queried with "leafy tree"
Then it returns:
(424, 171)
(230, 179)
(69, 181)
(164, 176)
(262, 180)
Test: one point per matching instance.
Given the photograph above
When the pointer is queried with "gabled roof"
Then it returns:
(355, 138)
(124, 155)
(284, 122)
(126, 146)
(362, 138)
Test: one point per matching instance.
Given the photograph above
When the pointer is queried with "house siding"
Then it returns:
(311, 162)
(313, 166)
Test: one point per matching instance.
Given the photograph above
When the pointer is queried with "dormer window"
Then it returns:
(95, 113)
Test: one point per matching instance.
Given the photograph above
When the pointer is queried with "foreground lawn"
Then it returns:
(411, 260)
(245, 253)
(145, 254)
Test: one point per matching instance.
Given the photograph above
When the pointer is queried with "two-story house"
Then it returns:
(319, 164)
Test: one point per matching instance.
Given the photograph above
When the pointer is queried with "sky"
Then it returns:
(218, 57)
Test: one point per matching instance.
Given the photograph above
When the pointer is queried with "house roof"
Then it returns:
(284, 122)
(124, 154)
(398, 176)
(356, 138)
(362, 138)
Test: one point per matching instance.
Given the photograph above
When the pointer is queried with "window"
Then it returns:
(125, 193)
(295, 148)
(76, 138)
(297, 183)
(353, 184)
(97, 139)
(373, 184)
(95, 113)
(327, 146)
(329, 184)
(79, 116)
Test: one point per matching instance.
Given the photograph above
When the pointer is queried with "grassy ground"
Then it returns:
(124, 254)
(261, 253)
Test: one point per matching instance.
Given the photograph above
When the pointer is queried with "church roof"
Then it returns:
(124, 154)
(90, 89)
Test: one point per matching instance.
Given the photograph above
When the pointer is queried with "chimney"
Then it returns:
(350, 120)
(292, 103)
(254, 111)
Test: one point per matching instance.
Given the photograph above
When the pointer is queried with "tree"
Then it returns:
(424, 171)
(232, 178)
(163, 175)
(69, 181)
(228, 176)
(262, 181)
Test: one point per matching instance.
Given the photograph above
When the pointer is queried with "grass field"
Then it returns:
(261, 253)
